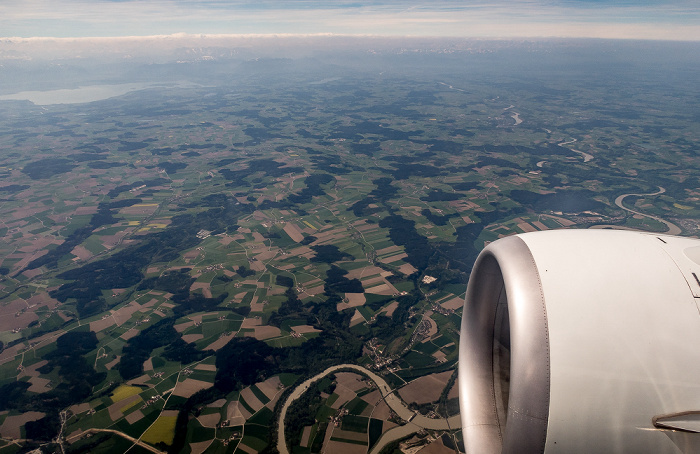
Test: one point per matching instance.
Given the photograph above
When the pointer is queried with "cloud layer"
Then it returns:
(642, 19)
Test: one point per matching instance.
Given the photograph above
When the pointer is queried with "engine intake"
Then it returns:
(582, 341)
(504, 352)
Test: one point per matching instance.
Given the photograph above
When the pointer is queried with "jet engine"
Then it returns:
(582, 341)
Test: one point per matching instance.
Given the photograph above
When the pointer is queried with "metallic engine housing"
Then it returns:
(582, 341)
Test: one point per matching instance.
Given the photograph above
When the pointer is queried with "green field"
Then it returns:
(180, 231)
(354, 423)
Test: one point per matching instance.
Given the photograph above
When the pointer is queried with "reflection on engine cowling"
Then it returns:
(578, 341)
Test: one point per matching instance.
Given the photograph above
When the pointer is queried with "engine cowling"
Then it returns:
(582, 341)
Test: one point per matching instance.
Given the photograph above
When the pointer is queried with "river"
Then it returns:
(673, 229)
(586, 156)
(416, 421)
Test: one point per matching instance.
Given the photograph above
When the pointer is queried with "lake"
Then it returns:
(79, 95)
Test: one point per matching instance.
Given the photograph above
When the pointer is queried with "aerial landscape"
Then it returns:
(263, 245)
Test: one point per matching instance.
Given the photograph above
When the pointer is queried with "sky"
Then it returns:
(631, 19)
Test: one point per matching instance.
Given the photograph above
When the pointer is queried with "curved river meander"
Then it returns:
(415, 423)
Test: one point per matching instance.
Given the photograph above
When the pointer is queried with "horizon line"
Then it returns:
(184, 35)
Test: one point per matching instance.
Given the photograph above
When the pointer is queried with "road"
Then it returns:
(416, 421)
(121, 434)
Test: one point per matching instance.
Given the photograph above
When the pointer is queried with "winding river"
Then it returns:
(673, 229)
(415, 423)
(586, 156)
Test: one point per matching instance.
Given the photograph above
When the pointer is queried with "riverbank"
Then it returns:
(415, 421)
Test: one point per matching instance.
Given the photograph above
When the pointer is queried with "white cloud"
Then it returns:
(523, 18)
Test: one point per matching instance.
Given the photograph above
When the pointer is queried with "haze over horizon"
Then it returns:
(629, 19)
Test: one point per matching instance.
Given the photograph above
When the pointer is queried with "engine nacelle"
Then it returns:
(582, 341)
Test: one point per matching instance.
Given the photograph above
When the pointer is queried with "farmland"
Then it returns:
(175, 261)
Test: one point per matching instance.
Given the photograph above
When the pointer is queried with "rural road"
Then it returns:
(121, 434)
(416, 421)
